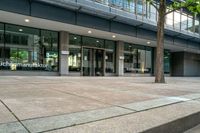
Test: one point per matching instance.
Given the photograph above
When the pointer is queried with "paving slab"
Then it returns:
(42, 102)
(61, 121)
(191, 96)
(196, 129)
(5, 115)
(139, 106)
(14, 127)
(137, 122)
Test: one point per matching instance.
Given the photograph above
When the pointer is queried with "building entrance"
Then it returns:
(93, 62)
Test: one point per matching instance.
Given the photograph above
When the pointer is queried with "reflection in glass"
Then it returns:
(137, 59)
(169, 19)
(74, 60)
(110, 56)
(196, 25)
(30, 49)
(177, 20)
(93, 42)
(167, 61)
(184, 21)
(190, 23)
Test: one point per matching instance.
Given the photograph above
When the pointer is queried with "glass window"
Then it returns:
(1, 34)
(1, 42)
(167, 62)
(48, 50)
(110, 56)
(152, 13)
(129, 6)
(190, 23)
(74, 40)
(184, 21)
(141, 60)
(130, 58)
(93, 42)
(197, 25)
(169, 19)
(30, 49)
(137, 59)
(148, 60)
(18, 35)
(177, 20)
(116, 3)
(74, 59)
(139, 7)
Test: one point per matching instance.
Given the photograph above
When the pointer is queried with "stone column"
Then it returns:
(120, 58)
(64, 53)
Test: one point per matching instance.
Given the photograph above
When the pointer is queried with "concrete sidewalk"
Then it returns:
(95, 104)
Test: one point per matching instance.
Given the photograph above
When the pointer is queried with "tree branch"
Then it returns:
(178, 8)
(154, 5)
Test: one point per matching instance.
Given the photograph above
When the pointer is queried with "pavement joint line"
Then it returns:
(85, 97)
(106, 118)
(15, 116)
(35, 118)
(87, 122)
(9, 122)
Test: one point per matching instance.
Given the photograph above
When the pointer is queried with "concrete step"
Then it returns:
(194, 129)
(174, 118)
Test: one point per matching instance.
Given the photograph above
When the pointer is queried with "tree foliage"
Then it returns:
(192, 5)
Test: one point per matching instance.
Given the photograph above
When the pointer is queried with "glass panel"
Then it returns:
(197, 25)
(74, 60)
(166, 62)
(1, 42)
(177, 20)
(48, 50)
(116, 3)
(98, 62)
(87, 62)
(141, 61)
(184, 21)
(74, 40)
(129, 6)
(190, 23)
(110, 62)
(153, 14)
(139, 7)
(169, 19)
(19, 35)
(29, 49)
(110, 56)
(148, 61)
(130, 59)
(93, 42)
(1, 34)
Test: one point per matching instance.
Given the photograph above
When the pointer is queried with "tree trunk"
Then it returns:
(159, 73)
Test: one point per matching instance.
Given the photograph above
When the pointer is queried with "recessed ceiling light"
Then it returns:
(89, 31)
(97, 41)
(20, 30)
(148, 42)
(27, 20)
(113, 36)
(75, 38)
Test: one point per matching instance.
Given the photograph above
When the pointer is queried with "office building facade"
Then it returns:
(94, 38)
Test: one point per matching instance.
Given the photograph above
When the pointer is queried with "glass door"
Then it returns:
(92, 62)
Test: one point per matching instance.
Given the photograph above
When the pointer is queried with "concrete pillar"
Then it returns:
(120, 58)
(64, 53)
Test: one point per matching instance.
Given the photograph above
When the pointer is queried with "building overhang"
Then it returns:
(18, 19)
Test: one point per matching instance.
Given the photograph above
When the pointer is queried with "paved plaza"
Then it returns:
(94, 104)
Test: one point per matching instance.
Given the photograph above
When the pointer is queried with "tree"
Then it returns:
(161, 6)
